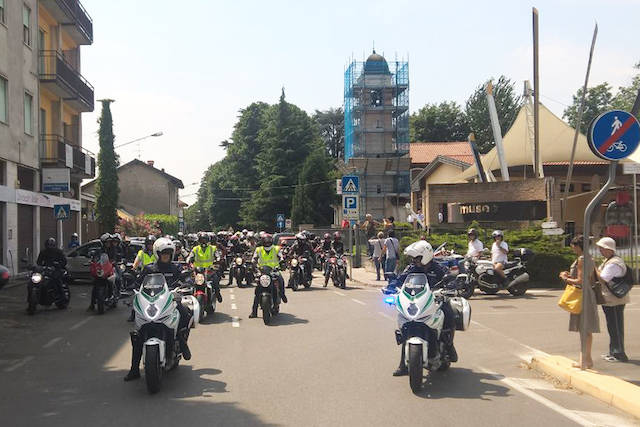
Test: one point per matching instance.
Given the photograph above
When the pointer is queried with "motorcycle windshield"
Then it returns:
(153, 284)
(415, 284)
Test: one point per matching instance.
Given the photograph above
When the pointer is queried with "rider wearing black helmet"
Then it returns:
(52, 256)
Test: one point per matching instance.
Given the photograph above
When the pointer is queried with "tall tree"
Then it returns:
(107, 190)
(222, 203)
(477, 111)
(597, 101)
(314, 193)
(331, 126)
(626, 95)
(439, 122)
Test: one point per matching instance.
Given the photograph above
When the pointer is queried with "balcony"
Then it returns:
(56, 151)
(58, 76)
(73, 18)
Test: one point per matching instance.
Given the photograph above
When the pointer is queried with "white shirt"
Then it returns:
(497, 255)
(611, 270)
(393, 247)
(377, 247)
(475, 248)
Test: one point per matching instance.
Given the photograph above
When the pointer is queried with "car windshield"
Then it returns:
(415, 284)
(153, 284)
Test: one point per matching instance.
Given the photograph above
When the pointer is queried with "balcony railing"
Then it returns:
(60, 152)
(66, 82)
(71, 14)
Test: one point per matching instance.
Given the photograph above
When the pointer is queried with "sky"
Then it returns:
(187, 67)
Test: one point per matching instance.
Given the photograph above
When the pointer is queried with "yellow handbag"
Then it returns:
(571, 299)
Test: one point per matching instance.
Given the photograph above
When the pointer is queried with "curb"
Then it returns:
(611, 390)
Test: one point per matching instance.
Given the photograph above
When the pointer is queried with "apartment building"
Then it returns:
(42, 97)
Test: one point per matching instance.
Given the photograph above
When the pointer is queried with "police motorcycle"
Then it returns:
(420, 324)
(480, 273)
(268, 293)
(47, 285)
(157, 320)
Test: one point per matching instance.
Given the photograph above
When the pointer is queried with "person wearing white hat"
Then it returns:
(613, 266)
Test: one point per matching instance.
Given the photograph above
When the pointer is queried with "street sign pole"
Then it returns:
(634, 252)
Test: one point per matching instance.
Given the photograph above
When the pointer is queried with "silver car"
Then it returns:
(78, 259)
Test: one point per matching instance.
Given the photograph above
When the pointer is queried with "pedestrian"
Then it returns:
(574, 277)
(369, 227)
(377, 244)
(420, 219)
(345, 224)
(388, 224)
(391, 249)
(612, 267)
(411, 220)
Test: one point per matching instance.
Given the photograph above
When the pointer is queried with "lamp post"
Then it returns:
(155, 134)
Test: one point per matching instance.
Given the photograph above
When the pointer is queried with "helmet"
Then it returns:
(105, 238)
(50, 243)
(149, 240)
(180, 234)
(472, 232)
(267, 240)
(245, 231)
(251, 234)
(203, 237)
(116, 237)
(74, 235)
(301, 236)
(177, 243)
(422, 249)
(497, 233)
(327, 236)
(163, 244)
(337, 235)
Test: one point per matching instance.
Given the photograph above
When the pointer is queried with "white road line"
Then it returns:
(52, 342)
(385, 315)
(358, 301)
(235, 322)
(234, 307)
(23, 362)
(339, 293)
(80, 323)
(606, 419)
(573, 416)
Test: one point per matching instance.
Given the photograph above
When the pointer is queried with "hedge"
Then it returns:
(168, 224)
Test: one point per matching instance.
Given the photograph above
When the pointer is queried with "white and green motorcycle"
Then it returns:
(157, 320)
(420, 322)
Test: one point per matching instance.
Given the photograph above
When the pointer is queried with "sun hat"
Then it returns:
(607, 243)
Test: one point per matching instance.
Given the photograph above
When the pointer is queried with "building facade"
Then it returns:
(42, 96)
(376, 108)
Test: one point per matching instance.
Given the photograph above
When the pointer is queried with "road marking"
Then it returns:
(339, 293)
(358, 301)
(19, 364)
(537, 384)
(235, 322)
(52, 342)
(606, 419)
(234, 307)
(573, 416)
(80, 324)
(232, 296)
(385, 315)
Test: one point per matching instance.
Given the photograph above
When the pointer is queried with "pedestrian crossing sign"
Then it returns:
(61, 212)
(350, 184)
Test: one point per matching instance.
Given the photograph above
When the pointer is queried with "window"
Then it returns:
(2, 11)
(3, 99)
(586, 188)
(26, 25)
(28, 113)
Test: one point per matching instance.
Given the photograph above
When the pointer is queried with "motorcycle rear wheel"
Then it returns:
(152, 369)
(517, 291)
(415, 367)
(467, 291)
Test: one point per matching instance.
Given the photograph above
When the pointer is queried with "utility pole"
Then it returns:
(536, 98)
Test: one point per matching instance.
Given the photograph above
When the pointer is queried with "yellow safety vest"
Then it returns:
(203, 258)
(146, 258)
(269, 259)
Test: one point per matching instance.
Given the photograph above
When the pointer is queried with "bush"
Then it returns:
(137, 226)
(167, 224)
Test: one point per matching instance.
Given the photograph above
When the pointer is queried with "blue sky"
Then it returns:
(186, 67)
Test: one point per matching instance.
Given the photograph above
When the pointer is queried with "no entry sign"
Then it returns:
(614, 135)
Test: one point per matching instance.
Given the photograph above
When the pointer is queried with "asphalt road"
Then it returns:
(327, 361)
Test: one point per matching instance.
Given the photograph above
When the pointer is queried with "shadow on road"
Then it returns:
(461, 383)
(217, 318)
(284, 319)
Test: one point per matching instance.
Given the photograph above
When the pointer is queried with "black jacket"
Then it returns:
(170, 271)
(50, 256)
(338, 246)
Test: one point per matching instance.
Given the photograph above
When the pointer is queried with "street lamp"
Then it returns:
(140, 139)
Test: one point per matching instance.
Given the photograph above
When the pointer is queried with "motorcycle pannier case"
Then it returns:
(462, 310)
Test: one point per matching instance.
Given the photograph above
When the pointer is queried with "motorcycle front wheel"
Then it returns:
(32, 299)
(100, 299)
(518, 291)
(467, 290)
(265, 304)
(152, 369)
(200, 299)
(415, 367)
(293, 283)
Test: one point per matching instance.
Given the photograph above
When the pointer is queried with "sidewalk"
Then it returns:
(363, 276)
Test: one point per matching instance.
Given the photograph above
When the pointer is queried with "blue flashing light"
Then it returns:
(390, 300)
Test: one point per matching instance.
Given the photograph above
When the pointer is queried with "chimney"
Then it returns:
(150, 162)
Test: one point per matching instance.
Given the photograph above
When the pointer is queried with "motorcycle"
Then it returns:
(336, 270)
(420, 323)
(4, 276)
(298, 274)
(105, 292)
(203, 292)
(157, 320)
(47, 285)
(448, 258)
(268, 293)
(480, 274)
(241, 270)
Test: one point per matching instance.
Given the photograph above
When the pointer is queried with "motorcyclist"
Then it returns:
(74, 242)
(326, 242)
(475, 247)
(421, 254)
(203, 256)
(267, 255)
(52, 256)
(164, 250)
(337, 245)
(109, 248)
(181, 238)
(302, 248)
(145, 256)
(181, 253)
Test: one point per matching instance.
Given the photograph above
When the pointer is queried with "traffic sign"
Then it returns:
(288, 224)
(549, 224)
(280, 221)
(614, 135)
(350, 207)
(552, 231)
(61, 212)
(631, 168)
(350, 184)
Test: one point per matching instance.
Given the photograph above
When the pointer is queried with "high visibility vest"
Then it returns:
(269, 259)
(146, 258)
(203, 258)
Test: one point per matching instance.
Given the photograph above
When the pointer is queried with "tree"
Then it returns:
(477, 111)
(626, 95)
(597, 101)
(314, 194)
(223, 203)
(439, 122)
(331, 127)
(107, 189)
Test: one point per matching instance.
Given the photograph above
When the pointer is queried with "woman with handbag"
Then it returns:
(573, 277)
(377, 255)
(611, 269)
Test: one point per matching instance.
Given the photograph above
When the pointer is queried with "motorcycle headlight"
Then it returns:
(340, 262)
(294, 262)
(199, 279)
(123, 267)
(100, 273)
(239, 261)
(36, 277)
(152, 310)
(265, 280)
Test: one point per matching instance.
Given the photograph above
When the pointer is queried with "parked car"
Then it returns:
(79, 259)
